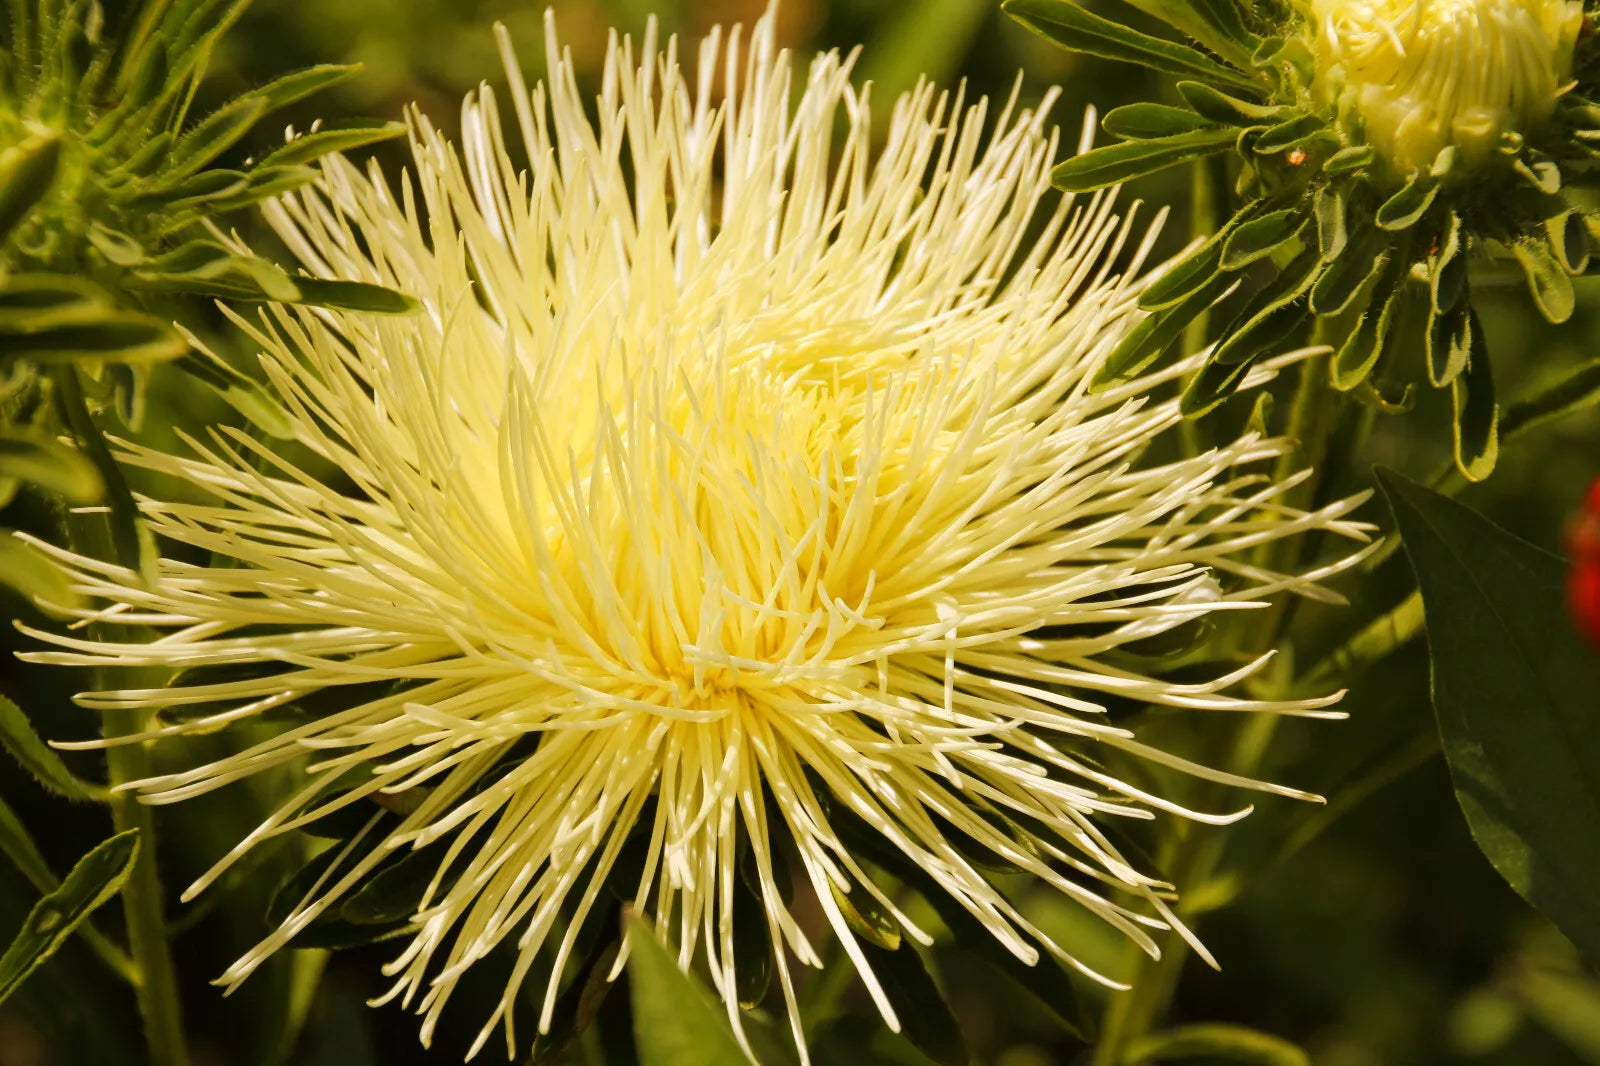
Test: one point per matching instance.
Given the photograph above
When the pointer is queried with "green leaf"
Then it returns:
(27, 570)
(675, 1021)
(1193, 272)
(1344, 278)
(220, 131)
(1261, 236)
(577, 1006)
(925, 1018)
(27, 171)
(1146, 121)
(1150, 339)
(240, 392)
(303, 83)
(1515, 691)
(51, 465)
(204, 267)
(355, 296)
(1352, 158)
(1447, 267)
(1217, 24)
(1075, 29)
(36, 757)
(1549, 283)
(96, 878)
(1226, 108)
(867, 919)
(1477, 431)
(1404, 208)
(1213, 1041)
(1360, 352)
(1569, 240)
(265, 183)
(1270, 315)
(333, 138)
(1286, 134)
(1117, 163)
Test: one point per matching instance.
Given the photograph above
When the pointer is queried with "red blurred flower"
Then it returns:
(1583, 587)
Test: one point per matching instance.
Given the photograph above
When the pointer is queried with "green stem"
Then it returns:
(1192, 854)
(142, 900)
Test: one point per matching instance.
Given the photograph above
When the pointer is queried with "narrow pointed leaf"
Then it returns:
(1573, 392)
(1118, 163)
(33, 303)
(96, 878)
(303, 83)
(1515, 691)
(35, 756)
(924, 1015)
(219, 132)
(1074, 28)
(312, 146)
(1226, 108)
(122, 336)
(675, 1021)
(1150, 339)
(1447, 267)
(1357, 356)
(355, 296)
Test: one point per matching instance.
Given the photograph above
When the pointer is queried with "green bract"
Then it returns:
(1376, 146)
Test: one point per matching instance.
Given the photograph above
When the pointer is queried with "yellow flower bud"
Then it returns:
(1424, 74)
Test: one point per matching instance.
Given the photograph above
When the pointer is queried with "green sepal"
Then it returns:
(27, 173)
(1151, 338)
(1402, 210)
(1447, 267)
(1147, 121)
(333, 137)
(1476, 423)
(1261, 236)
(1450, 343)
(1359, 353)
(1078, 30)
(1549, 283)
(1349, 159)
(1228, 109)
(1285, 135)
(1343, 279)
(1333, 233)
(1117, 163)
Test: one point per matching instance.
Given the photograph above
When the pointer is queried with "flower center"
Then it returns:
(1424, 74)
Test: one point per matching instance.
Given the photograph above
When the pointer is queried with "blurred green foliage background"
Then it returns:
(1370, 932)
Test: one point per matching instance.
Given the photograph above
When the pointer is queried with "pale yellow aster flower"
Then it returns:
(1425, 74)
(732, 476)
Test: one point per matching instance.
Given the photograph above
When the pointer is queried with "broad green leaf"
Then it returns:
(1515, 691)
(355, 296)
(96, 878)
(1117, 163)
(1260, 237)
(27, 170)
(924, 1015)
(1548, 281)
(1074, 28)
(1215, 1041)
(36, 757)
(1477, 430)
(1146, 121)
(675, 1021)
(61, 470)
(332, 138)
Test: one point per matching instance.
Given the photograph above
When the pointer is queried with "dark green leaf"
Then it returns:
(1212, 385)
(1549, 283)
(240, 392)
(36, 757)
(1447, 267)
(1402, 299)
(1147, 341)
(1217, 24)
(1270, 315)
(394, 892)
(752, 944)
(675, 1021)
(1477, 431)
(1260, 237)
(925, 1018)
(1515, 691)
(27, 171)
(332, 138)
(1146, 121)
(576, 1007)
(1194, 271)
(355, 296)
(1117, 163)
(27, 570)
(265, 183)
(1215, 1041)
(1073, 28)
(205, 267)
(96, 878)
